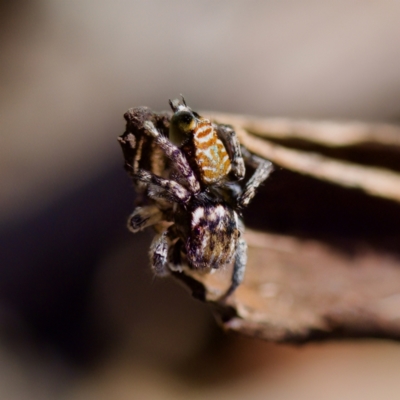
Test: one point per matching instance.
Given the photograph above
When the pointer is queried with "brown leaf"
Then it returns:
(330, 264)
(301, 289)
(377, 181)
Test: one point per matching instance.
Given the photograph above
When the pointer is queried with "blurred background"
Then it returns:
(81, 315)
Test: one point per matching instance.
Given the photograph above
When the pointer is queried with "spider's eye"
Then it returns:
(185, 120)
(182, 123)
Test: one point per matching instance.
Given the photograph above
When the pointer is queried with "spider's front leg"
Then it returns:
(263, 169)
(163, 189)
(186, 175)
(232, 145)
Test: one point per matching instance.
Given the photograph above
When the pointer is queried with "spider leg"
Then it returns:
(145, 216)
(160, 188)
(179, 160)
(238, 268)
(175, 257)
(159, 252)
(263, 168)
(232, 145)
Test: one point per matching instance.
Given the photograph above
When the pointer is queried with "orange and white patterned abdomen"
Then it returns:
(211, 156)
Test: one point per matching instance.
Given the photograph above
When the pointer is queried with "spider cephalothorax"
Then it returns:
(193, 190)
(213, 151)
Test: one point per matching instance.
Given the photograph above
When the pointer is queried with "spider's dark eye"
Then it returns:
(186, 118)
(182, 123)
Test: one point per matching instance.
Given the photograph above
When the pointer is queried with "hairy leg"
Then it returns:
(166, 189)
(159, 249)
(232, 145)
(238, 268)
(175, 257)
(178, 159)
(142, 217)
(263, 169)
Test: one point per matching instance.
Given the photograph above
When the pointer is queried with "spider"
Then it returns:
(192, 180)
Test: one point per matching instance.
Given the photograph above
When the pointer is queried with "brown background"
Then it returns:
(80, 314)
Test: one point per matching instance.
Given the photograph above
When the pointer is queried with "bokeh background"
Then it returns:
(81, 316)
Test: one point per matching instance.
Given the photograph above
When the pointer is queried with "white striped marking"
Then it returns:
(197, 215)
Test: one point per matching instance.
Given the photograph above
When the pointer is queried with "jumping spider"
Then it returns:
(190, 171)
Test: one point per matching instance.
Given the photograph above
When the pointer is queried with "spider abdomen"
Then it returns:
(213, 236)
(211, 156)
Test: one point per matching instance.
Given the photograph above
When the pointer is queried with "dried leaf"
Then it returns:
(330, 264)
(377, 181)
(298, 290)
(327, 133)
